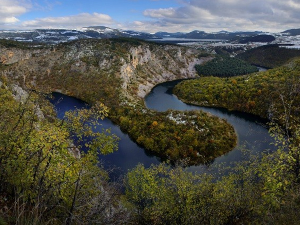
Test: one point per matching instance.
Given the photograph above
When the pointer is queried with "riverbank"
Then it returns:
(250, 131)
(272, 94)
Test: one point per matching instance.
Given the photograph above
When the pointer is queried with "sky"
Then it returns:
(152, 15)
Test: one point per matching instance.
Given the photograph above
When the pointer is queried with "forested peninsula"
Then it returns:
(273, 94)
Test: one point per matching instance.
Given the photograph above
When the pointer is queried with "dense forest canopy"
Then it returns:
(269, 56)
(196, 137)
(267, 94)
(224, 66)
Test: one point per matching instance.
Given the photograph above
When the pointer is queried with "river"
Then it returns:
(251, 131)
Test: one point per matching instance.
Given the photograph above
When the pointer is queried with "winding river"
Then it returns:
(252, 132)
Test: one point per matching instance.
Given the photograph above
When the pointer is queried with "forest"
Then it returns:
(48, 176)
(174, 135)
(270, 94)
(44, 178)
(225, 66)
(167, 139)
(269, 56)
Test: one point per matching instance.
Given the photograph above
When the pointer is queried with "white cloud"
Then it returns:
(160, 13)
(11, 9)
(207, 15)
(232, 15)
(74, 21)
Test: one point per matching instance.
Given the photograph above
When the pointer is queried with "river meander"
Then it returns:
(251, 131)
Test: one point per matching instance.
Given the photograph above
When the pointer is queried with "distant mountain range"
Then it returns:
(53, 36)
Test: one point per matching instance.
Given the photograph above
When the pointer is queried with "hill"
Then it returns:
(43, 181)
(225, 67)
(269, 56)
(119, 73)
(292, 32)
(273, 94)
(258, 38)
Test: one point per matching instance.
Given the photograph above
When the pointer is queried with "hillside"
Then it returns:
(224, 66)
(48, 179)
(140, 65)
(273, 94)
(269, 56)
(257, 38)
(119, 73)
(42, 163)
(292, 32)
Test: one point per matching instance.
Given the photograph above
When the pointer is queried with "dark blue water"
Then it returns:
(251, 130)
(129, 154)
(252, 134)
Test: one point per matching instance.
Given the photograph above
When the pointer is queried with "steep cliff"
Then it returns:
(119, 73)
(145, 68)
(137, 65)
(10, 53)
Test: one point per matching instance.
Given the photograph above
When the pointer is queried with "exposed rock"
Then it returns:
(22, 96)
(139, 66)
(156, 66)
(144, 89)
(19, 94)
(12, 55)
(74, 150)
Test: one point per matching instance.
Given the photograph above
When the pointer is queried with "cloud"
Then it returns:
(11, 9)
(160, 13)
(207, 15)
(74, 21)
(232, 15)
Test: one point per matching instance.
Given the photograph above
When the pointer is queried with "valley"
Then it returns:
(120, 73)
(115, 76)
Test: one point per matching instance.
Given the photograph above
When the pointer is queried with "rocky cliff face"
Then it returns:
(146, 68)
(13, 55)
(139, 65)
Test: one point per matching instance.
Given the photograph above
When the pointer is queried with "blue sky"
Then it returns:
(152, 15)
(118, 9)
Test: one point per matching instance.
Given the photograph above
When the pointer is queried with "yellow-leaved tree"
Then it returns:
(46, 172)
